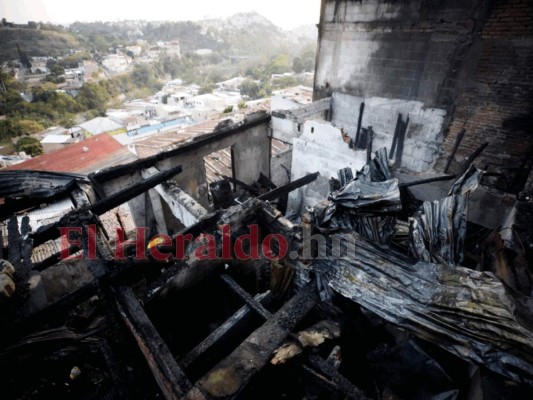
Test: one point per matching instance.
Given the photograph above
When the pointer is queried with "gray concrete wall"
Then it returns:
(251, 150)
(396, 50)
(424, 132)
(397, 57)
(320, 148)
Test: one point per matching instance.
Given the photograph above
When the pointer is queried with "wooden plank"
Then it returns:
(230, 376)
(246, 297)
(169, 377)
(233, 324)
(298, 183)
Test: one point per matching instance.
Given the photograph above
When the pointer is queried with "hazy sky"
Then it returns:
(284, 13)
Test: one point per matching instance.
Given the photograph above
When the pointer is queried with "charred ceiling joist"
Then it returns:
(468, 313)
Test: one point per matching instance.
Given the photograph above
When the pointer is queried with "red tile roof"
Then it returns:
(104, 152)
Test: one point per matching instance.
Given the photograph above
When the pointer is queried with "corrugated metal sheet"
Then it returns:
(37, 184)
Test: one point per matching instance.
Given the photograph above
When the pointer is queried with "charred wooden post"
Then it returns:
(370, 139)
(359, 122)
(401, 139)
(395, 136)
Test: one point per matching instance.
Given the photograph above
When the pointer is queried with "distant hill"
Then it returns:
(251, 34)
(35, 42)
(309, 32)
(247, 35)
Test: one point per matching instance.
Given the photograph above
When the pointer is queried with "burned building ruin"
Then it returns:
(376, 243)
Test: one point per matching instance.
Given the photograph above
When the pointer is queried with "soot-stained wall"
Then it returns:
(468, 61)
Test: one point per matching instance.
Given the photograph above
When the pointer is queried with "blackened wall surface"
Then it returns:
(393, 49)
(496, 103)
(470, 58)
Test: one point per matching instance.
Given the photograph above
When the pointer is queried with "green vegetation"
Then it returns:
(35, 42)
(30, 146)
(304, 62)
(254, 48)
(49, 107)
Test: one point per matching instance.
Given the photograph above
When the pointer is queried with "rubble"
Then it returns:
(390, 291)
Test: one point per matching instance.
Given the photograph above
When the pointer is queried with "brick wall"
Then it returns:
(496, 105)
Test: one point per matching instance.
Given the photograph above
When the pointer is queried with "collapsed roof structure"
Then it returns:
(362, 276)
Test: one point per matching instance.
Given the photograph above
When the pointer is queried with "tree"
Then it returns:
(23, 58)
(279, 65)
(92, 96)
(57, 70)
(207, 88)
(29, 127)
(249, 88)
(30, 146)
(9, 129)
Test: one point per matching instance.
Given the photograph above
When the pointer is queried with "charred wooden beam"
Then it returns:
(246, 297)
(237, 182)
(51, 231)
(429, 180)
(57, 309)
(169, 377)
(230, 376)
(251, 121)
(456, 145)
(121, 197)
(234, 324)
(472, 158)
(298, 183)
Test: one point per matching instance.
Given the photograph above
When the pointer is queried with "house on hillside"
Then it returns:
(100, 125)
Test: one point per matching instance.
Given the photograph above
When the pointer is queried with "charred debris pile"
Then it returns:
(378, 296)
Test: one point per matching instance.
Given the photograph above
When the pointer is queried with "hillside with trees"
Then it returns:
(35, 42)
